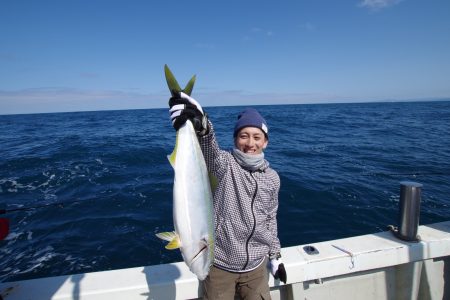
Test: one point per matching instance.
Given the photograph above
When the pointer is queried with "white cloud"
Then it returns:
(257, 31)
(378, 4)
(47, 100)
(244, 98)
(40, 100)
(307, 26)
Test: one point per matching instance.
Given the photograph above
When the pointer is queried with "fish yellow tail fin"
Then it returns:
(172, 238)
(174, 87)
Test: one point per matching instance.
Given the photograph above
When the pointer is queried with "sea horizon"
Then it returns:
(340, 167)
(439, 99)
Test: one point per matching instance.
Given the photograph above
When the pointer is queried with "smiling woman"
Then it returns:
(251, 140)
(251, 132)
(245, 201)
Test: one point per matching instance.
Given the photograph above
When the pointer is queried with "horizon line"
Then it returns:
(437, 99)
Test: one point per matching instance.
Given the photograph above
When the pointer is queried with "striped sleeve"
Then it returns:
(215, 158)
(275, 247)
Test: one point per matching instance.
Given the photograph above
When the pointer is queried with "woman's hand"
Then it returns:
(277, 269)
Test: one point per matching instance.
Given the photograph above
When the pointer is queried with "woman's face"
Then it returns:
(251, 140)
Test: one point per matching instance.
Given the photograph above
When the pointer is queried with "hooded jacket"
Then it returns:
(245, 209)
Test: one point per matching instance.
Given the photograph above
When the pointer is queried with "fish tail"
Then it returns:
(174, 87)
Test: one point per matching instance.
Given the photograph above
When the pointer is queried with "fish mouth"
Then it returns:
(199, 253)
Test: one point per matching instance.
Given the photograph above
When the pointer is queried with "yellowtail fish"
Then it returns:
(192, 197)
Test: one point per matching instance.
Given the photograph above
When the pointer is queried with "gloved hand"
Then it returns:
(277, 269)
(183, 108)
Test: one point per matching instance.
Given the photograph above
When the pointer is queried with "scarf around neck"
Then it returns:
(250, 162)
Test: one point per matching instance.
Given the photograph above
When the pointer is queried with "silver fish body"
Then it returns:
(192, 204)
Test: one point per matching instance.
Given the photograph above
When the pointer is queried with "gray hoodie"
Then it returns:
(245, 209)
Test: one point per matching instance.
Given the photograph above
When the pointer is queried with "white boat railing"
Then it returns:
(373, 266)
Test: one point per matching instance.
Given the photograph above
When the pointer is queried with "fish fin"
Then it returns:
(213, 182)
(174, 244)
(173, 239)
(189, 86)
(203, 247)
(173, 156)
(166, 236)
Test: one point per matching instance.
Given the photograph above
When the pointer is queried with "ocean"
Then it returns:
(87, 191)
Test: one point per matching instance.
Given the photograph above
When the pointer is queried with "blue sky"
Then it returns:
(100, 55)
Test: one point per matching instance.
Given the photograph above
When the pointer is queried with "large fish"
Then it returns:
(192, 197)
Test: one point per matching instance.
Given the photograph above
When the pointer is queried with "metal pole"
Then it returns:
(410, 196)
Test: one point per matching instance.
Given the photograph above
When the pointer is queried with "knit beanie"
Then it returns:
(250, 117)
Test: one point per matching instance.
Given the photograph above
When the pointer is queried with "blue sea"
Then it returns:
(88, 191)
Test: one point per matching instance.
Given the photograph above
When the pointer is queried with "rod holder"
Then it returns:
(409, 211)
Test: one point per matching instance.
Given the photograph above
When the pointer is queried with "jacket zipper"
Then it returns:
(254, 223)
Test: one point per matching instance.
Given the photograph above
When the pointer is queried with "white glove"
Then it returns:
(277, 269)
(274, 263)
(176, 109)
(184, 107)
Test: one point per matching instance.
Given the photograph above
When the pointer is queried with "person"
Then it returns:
(245, 204)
